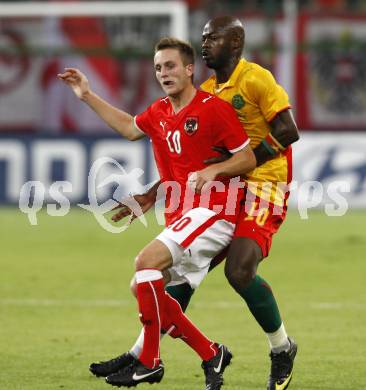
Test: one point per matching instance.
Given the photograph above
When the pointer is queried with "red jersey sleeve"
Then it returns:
(143, 121)
(226, 128)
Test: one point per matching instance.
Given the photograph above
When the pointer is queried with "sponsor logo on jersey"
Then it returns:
(162, 124)
(237, 101)
(206, 99)
(191, 125)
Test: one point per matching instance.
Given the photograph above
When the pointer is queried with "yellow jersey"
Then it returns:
(257, 99)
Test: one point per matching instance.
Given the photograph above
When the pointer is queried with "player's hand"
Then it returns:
(197, 180)
(124, 209)
(77, 81)
(224, 155)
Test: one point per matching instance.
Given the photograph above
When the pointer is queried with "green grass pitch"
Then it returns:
(65, 302)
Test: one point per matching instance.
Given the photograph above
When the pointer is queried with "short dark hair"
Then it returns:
(185, 49)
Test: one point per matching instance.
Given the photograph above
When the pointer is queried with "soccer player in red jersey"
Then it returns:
(183, 127)
(263, 108)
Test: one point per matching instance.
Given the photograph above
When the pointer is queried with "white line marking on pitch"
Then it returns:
(194, 304)
(103, 303)
(60, 302)
(337, 305)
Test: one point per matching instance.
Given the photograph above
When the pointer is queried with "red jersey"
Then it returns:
(182, 141)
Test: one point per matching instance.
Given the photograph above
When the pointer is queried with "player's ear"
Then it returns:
(235, 42)
(190, 69)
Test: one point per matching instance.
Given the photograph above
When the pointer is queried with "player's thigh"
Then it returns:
(155, 255)
(258, 223)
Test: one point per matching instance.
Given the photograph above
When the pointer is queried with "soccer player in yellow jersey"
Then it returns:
(263, 108)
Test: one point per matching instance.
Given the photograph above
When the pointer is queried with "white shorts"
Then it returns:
(194, 240)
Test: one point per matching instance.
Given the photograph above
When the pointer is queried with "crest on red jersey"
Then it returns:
(191, 125)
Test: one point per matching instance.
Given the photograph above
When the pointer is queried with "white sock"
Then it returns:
(278, 340)
(135, 351)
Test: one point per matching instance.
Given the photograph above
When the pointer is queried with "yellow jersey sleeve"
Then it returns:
(257, 99)
(270, 96)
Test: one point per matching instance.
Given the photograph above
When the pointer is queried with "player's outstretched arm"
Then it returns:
(284, 133)
(117, 119)
(238, 164)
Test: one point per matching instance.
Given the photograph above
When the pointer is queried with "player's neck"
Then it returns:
(183, 99)
(223, 74)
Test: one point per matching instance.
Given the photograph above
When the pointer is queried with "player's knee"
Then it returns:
(156, 255)
(241, 263)
(240, 277)
(139, 263)
(142, 262)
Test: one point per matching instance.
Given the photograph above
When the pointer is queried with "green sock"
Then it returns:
(182, 293)
(262, 304)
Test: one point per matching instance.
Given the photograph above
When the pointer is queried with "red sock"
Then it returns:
(177, 324)
(151, 298)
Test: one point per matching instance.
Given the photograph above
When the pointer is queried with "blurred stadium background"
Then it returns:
(316, 49)
(60, 281)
